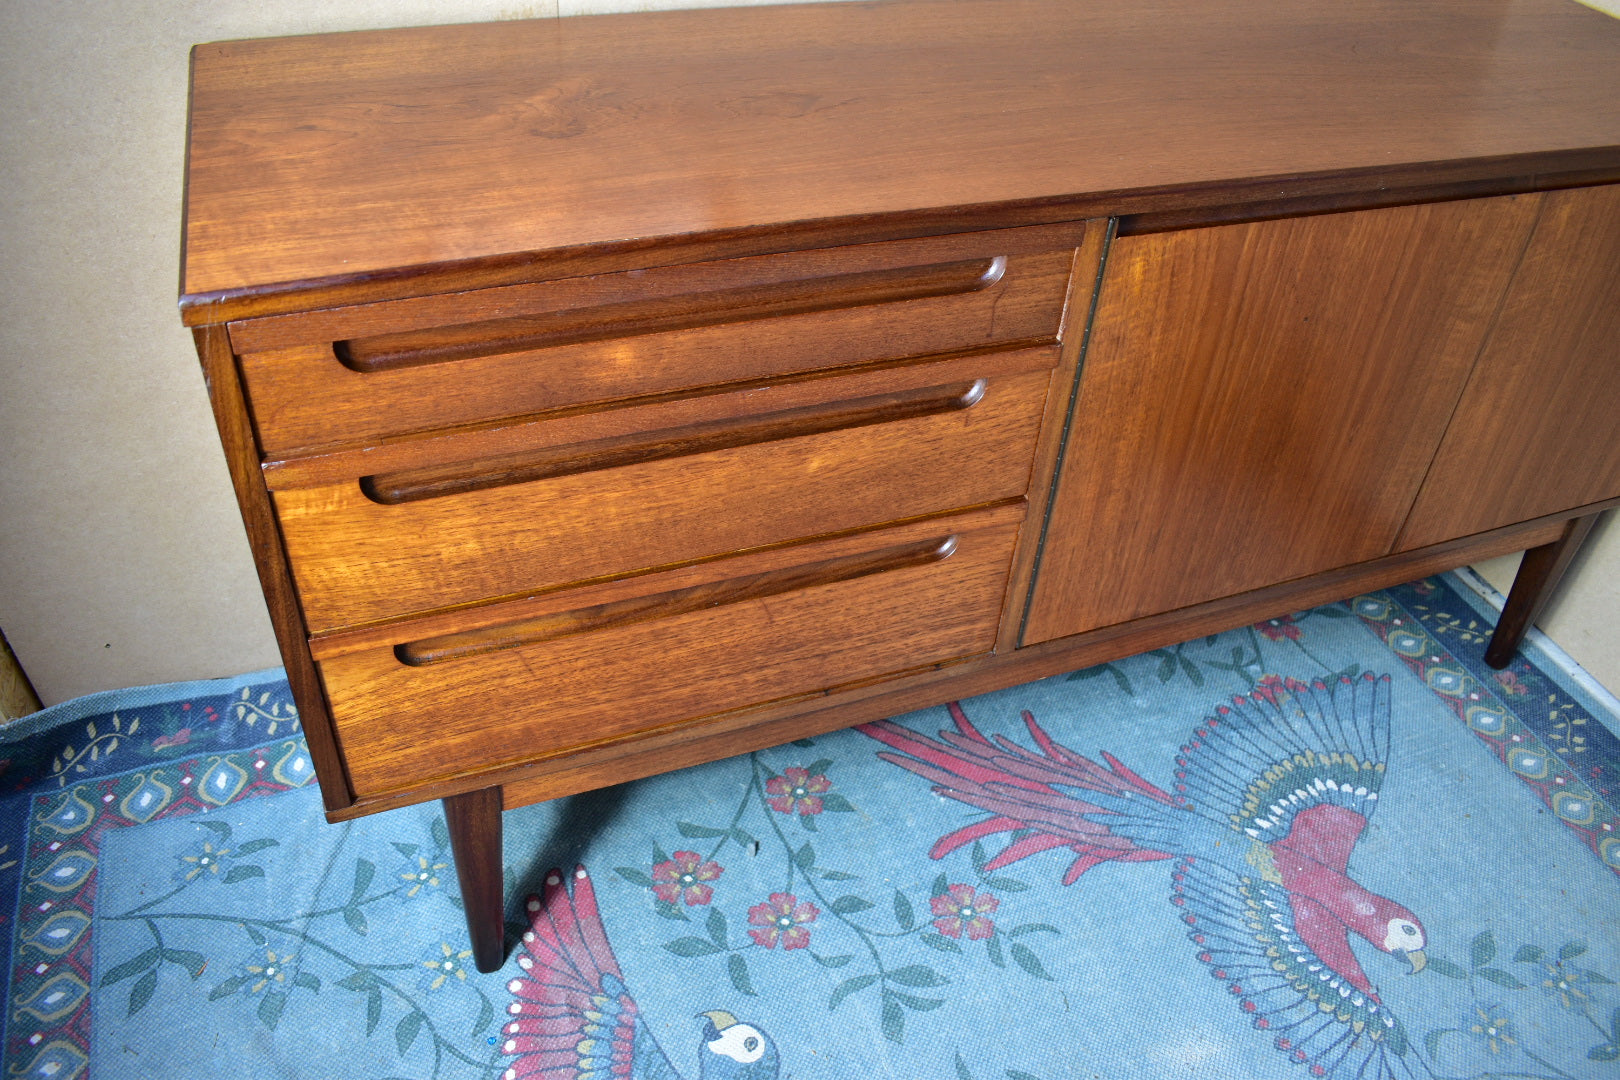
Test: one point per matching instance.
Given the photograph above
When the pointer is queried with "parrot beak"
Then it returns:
(1418, 960)
(718, 1021)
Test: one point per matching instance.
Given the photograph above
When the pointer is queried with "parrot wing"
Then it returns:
(1284, 960)
(572, 1014)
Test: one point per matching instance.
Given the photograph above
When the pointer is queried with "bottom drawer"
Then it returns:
(518, 682)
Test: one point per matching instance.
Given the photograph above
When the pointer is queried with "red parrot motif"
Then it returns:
(1271, 794)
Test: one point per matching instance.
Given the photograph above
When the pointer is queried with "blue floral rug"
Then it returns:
(1331, 844)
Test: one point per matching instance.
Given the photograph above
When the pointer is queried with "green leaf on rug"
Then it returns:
(1447, 968)
(220, 827)
(1006, 884)
(992, 948)
(227, 988)
(1483, 949)
(831, 961)
(405, 1031)
(894, 1019)
(359, 980)
(848, 987)
(270, 1007)
(805, 857)
(373, 1010)
(836, 875)
(138, 963)
(834, 803)
(1033, 928)
(700, 832)
(744, 837)
(819, 766)
(1528, 954)
(804, 744)
(737, 968)
(242, 872)
(961, 1068)
(1500, 978)
(441, 836)
(193, 962)
(254, 935)
(1571, 950)
(691, 946)
(919, 975)
(141, 992)
(669, 909)
(1014, 1074)
(940, 942)
(941, 885)
(308, 980)
(407, 850)
(364, 871)
(717, 927)
(849, 904)
(903, 915)
(1027, 960)
(258, 845)
(355, 918)
(634, 876)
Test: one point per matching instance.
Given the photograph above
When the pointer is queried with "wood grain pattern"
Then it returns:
(270, 559)
(410, 348)
(732, 590)
(357, 561)
(1259, 402)
(391, 489)
(403, 725)
(769, 725)
(1535, 431)
(304, 397)
(341, 158)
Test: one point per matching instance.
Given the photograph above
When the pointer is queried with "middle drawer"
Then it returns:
(880, 447)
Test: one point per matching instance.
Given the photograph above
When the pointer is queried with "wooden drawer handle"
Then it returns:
(413, 485)
(385, 352)
(437, 650)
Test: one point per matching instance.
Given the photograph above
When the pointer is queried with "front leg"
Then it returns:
(475, 842)
(1537, 577)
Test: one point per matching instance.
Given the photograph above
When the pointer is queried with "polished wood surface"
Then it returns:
(1536, 429)
(1260, 402)
(404, 726)
(304, 396)
(1539, 573)
(357, 561)
(368, 158)
(474, 822)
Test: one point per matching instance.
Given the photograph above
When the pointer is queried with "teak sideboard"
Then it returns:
(608, 395)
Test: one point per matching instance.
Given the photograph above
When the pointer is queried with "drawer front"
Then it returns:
(829, 614)
(344, 391)
(383, 546)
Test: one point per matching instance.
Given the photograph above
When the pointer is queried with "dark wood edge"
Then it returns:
(683, 311)
(438, 650)
(1367, 186)
(473, 819)
(1074, 325)
(270, 558)
(1071, 407)
(1539, 573)
(392, 489)
(693, 742)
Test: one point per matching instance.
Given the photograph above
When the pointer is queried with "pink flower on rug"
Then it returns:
(683, 877)
(961, 907)
(1511, 684)
(1283, 626)
(796, 791)
(782, 918)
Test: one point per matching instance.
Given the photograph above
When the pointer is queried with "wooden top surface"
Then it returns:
(325, 159)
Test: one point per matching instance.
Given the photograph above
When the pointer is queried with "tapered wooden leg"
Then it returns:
(1537, 577)
(475, 841)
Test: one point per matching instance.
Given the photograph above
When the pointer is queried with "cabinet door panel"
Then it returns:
(1538, 428)
(1261, 401)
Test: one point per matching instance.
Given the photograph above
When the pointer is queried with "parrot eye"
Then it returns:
(750, 1044)
(1409, 930)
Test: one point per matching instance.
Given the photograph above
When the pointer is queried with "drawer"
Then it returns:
(535, 679)
(865, 450)
(359, 374)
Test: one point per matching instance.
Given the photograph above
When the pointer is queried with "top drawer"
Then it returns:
(354, 374)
